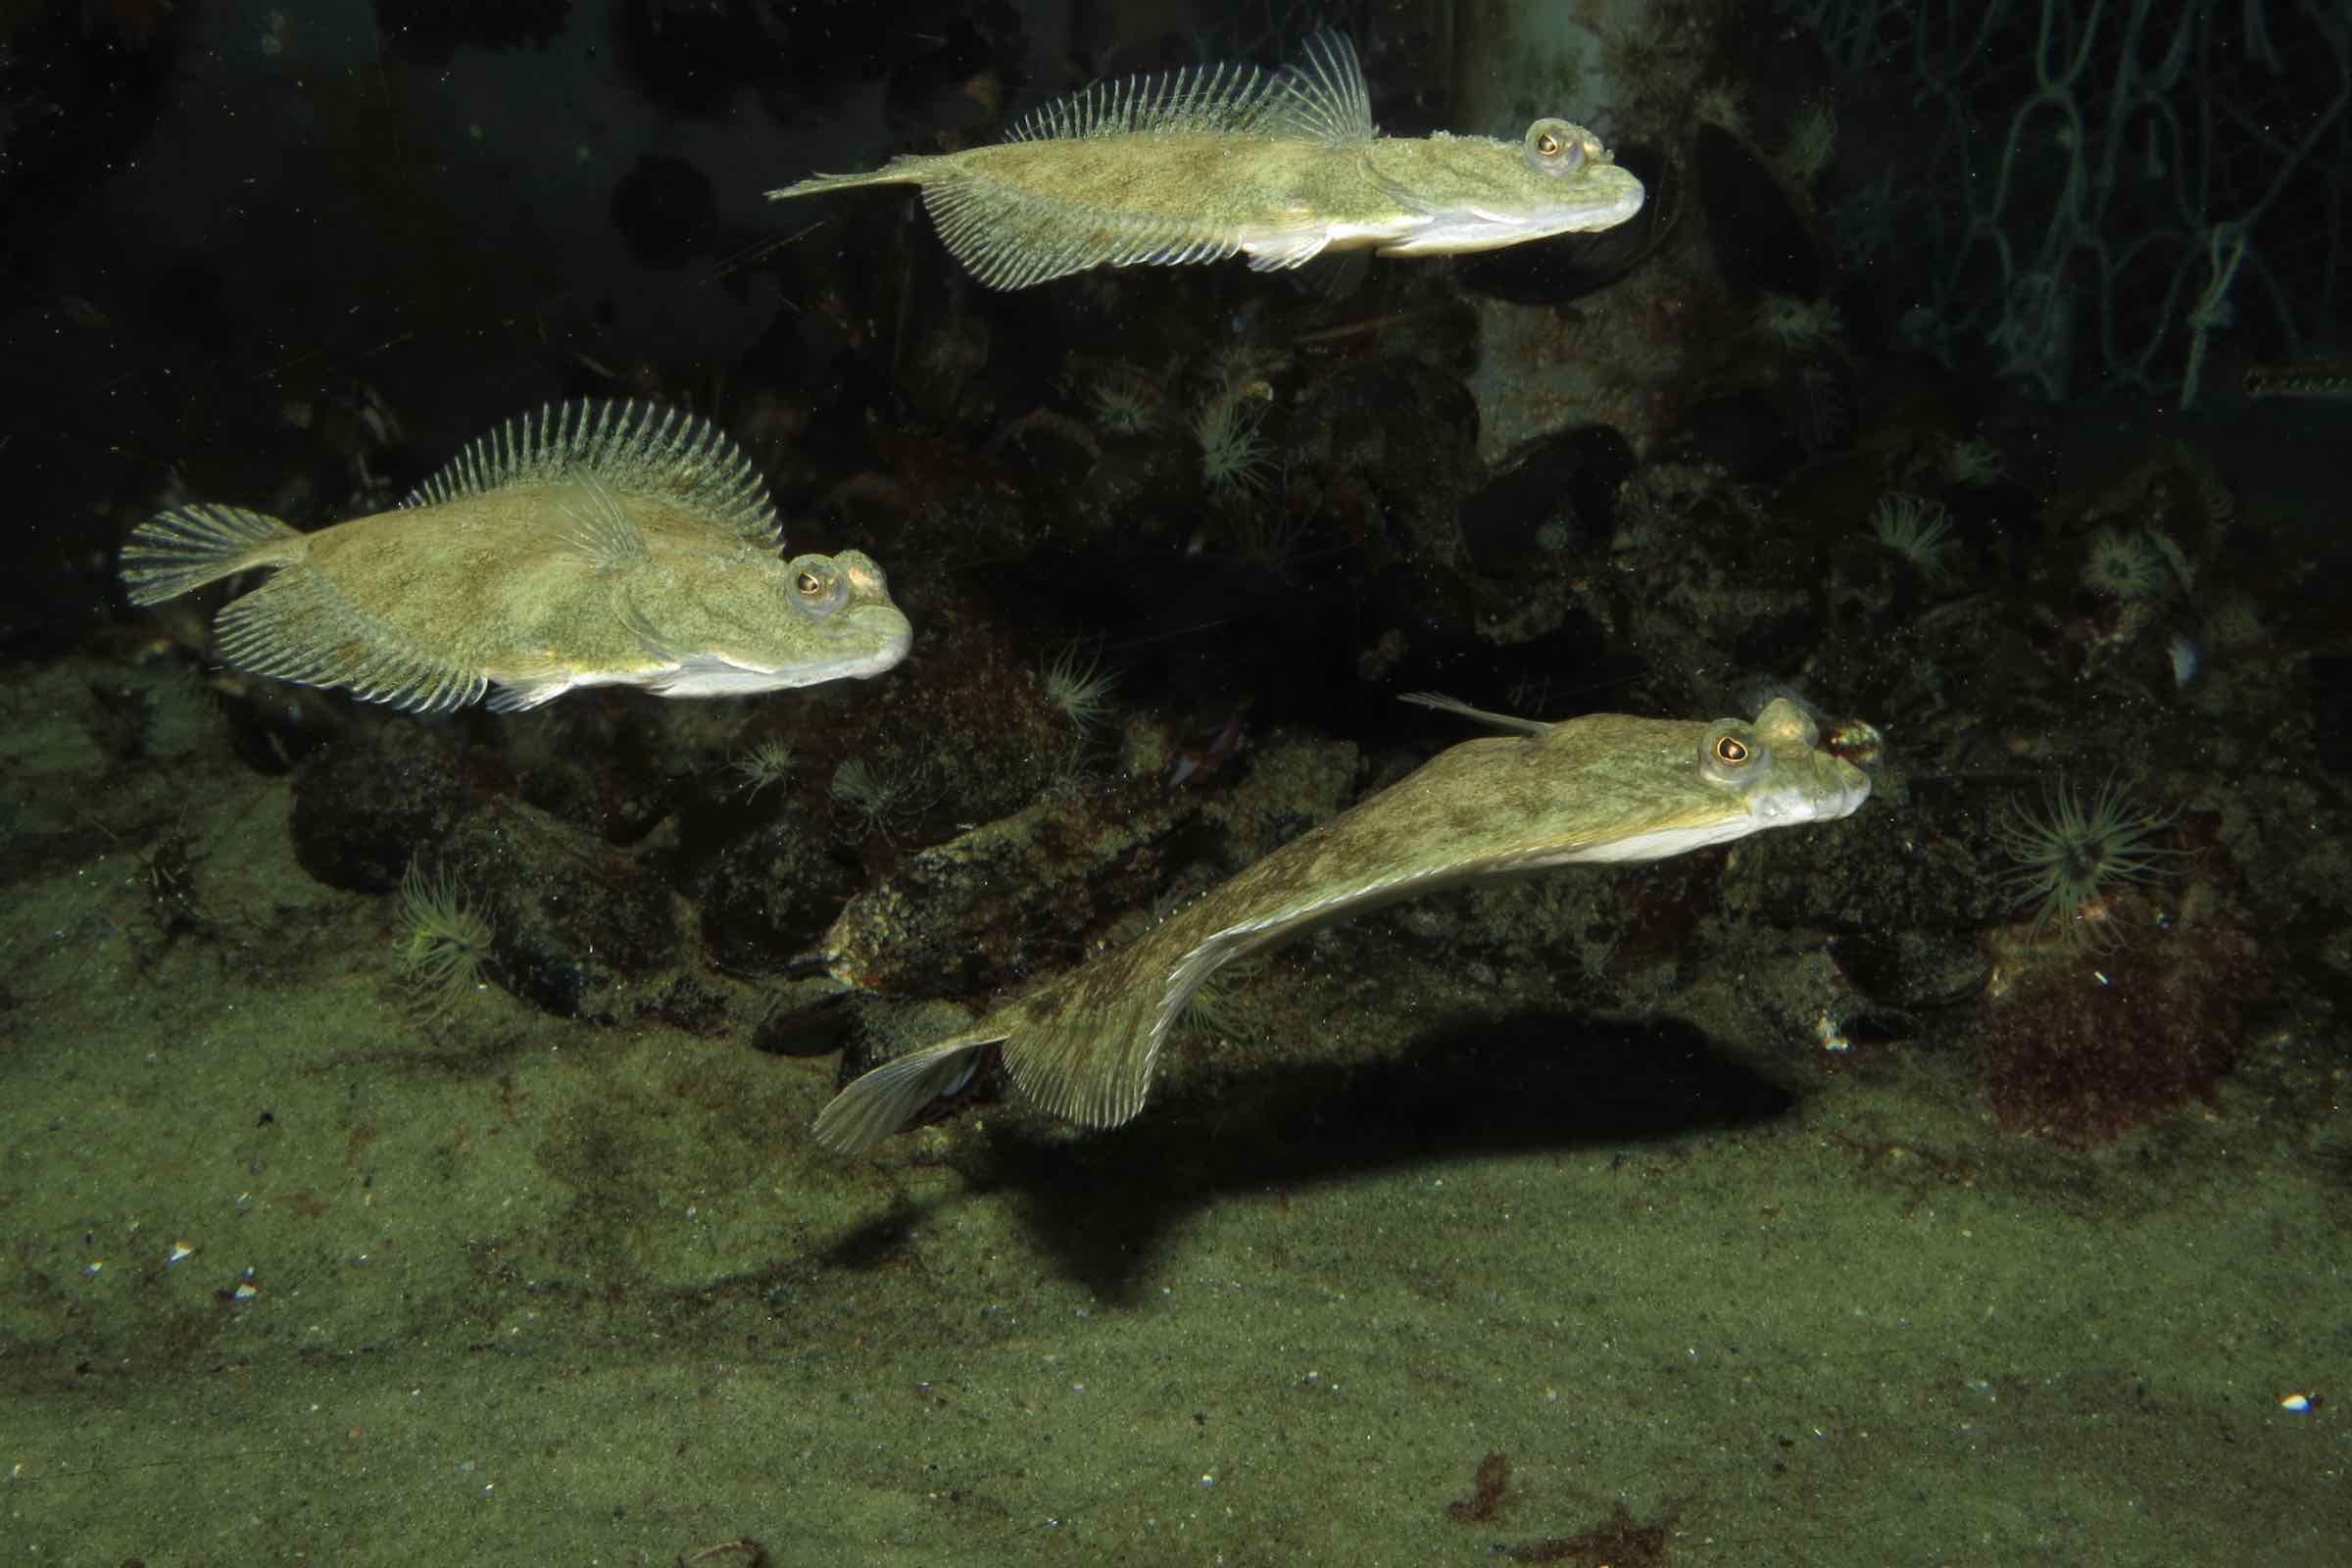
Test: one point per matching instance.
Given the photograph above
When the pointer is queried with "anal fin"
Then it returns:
(1010, 239)
(298, 627)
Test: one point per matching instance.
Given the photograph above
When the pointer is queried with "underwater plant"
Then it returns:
(443, 940)
(2075, 854)
(1916, 529)
(1078, 686)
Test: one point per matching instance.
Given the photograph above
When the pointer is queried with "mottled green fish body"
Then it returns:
(1281, 166)
(1606, 787)
(591, 544)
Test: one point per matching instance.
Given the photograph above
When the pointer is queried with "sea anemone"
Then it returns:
(1078, 686)
(1234, 458)
(1812, 144)
(768, 762)
(1794, 324)
(443, 940)
(1971, 462)
(1720, 104)
(1123, 400)
(878, 797)
(2074, 855)
(2125, 565)
(1916, 529)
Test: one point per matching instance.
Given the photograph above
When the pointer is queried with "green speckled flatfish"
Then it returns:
(1606, 787)
(1207, 163)
(589, 544)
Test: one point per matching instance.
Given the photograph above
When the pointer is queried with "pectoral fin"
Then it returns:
(598, 528)
(1286, 251)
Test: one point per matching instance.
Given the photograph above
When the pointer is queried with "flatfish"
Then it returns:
(1207, 163)
(586, 544)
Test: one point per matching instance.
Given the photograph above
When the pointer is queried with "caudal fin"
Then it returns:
(908, 168)
(886, 1099)
(187, 547)
(1082, 1047)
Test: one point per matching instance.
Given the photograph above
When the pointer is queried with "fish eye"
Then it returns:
(1555, 147)
(1734, 755)
(819, 585)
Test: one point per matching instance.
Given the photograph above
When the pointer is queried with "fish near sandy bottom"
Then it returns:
(1606, 787)
(1198, 165)
(591, 544)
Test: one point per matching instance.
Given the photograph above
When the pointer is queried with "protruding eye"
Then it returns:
(819, 585)
(1555, 147)
(1734, 755)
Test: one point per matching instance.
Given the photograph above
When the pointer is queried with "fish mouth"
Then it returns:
(890, 632)
(1606, 196)
(1461, 231)
(1852, 789)
(870, 638)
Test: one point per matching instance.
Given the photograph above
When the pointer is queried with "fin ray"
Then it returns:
(1297, 253)
(1010, 239)
(885, 1099)
(520, 697)
(1323, 95)
(298, 627)
(1230, 99)
(1476, 715)
(600, 532)
(907, 169)
(179, 551)
(1085, 1046)
(629, 446)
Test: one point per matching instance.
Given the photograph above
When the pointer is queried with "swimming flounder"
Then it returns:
(1604, 788)
(589, 544)
(1200, 163)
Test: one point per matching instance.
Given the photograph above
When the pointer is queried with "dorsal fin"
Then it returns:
(1322, 97)
(631, 447)
(1197, 98)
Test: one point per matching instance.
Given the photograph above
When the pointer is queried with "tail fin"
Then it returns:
(1081, 1046)
(908, 168)
(887, 1098)
(187, 547)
